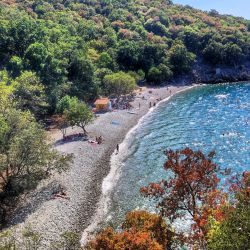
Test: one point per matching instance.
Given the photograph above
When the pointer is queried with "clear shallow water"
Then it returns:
(207, 118)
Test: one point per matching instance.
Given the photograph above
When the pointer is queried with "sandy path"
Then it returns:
(83, 181)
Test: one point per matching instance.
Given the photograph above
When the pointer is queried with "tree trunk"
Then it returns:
(84, 130)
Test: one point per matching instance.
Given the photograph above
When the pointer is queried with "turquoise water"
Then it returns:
(215, 117)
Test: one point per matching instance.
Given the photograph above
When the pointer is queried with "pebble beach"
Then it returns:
(83, 181)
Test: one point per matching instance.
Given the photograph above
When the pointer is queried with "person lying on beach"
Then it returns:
(92, 142)
(61, 194)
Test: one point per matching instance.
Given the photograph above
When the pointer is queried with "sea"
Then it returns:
(207, 118)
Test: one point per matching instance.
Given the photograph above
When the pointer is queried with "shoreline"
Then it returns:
(84, 180)
(113, 176)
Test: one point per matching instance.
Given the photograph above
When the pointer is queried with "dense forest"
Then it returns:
(53, 48)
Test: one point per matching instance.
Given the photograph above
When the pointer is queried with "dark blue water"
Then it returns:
(208, 118)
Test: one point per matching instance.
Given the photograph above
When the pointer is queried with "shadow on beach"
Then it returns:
(35, 201)
(72, 138)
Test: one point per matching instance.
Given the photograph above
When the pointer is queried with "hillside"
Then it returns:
(71, 45)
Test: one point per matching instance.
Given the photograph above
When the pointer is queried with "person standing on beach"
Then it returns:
(150, 104)
(117, 148)
(139, 105)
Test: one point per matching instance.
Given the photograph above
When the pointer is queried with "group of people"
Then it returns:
(99, 139)
(150, 104)
(122, 102)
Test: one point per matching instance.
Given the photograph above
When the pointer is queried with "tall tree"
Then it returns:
(30, 93)
(25, 155)
(119, 83)
(191, 186)
(181, 59)
(79, 114)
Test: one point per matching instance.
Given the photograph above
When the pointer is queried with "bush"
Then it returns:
(159, 74)
(119, 83)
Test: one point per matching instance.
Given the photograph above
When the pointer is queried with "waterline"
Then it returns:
(116, 165)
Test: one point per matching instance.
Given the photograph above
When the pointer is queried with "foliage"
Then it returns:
(191, 188)
(220, 219)
(119, 83)
(15, 66)
(65, 42)
(159, 74)
(180, 58)
(79, 114)
(6, 91)
(32, 240)
(29, 93)
(65, 103)
(61, 122)
(68, 240)
(25, 155)
(233, 232)
(141, 230)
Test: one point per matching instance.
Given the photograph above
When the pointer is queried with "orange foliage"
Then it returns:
(118, 24)
(142, 231)
(128, 34)
(192, 189)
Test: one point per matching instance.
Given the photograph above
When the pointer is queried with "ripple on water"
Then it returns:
(214, 117)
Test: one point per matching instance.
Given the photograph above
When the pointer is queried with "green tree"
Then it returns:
(30, 93)
(15, 66)
(191, 39)
(6, 91)
(25, 154)
(105, 61)
(233, 54)
(82, 74)
(119, 83)
(233, 232)
(128, 54)
(36, 55)
(180, 58)
(159, 74)
(79, 114)
(156, 27)
(65, 103)
(213, 52)
(152, 55)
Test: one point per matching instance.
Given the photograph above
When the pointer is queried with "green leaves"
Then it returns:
(25, 154)
(65, 103)
(30, 93)
(78, 114)
(71, 42)
(180, 58)
(119, 83)
(159, 74)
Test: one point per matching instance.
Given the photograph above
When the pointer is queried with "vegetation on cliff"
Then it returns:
(71, 47)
